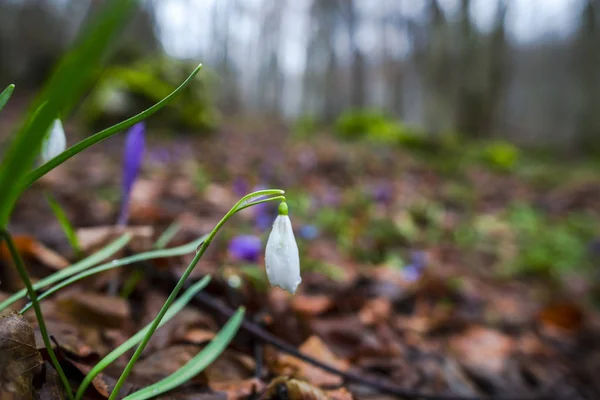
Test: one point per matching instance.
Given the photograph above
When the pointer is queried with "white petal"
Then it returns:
(281, 256)
(55, 143)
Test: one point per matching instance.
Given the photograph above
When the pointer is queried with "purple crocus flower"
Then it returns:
(414, 270)
(132, 160)
(245, 248)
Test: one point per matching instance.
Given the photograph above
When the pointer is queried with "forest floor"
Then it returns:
(417, 282)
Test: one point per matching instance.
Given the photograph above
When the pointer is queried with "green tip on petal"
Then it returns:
(283, 208)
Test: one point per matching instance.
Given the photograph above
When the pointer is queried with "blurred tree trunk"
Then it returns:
(392, 67)
(357, 66)
(321, 88)
(482, 73)
(588, 72)
(270, 79)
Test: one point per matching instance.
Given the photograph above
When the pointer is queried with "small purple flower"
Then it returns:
(308, 232)
(414, 270)
(245, 248)
(383, 193)
(132, 160)
(240, 186)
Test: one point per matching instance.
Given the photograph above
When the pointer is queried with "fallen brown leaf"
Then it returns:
(91, 239)
(285, 388)
(239, 389)
(52, 388)
(30, 247)
(95, 309)
(564, 316)
(316, 348)
(198, 336)
(375, 311)
(20, 361)
(480, 348)
(311, 306)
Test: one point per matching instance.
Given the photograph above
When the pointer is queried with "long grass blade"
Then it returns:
(196, 364)
(5, 95)
(79, 266)
(105, 134)
(149, 255)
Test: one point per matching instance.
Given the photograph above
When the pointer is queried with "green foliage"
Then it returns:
(305, 126)
(104, 134)
(370, 124)
(551, 246)
(124, 90)
(500, 156)
(375, 240)
(62, 91)
(65, 224)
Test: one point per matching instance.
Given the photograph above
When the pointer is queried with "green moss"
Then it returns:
(123, 90)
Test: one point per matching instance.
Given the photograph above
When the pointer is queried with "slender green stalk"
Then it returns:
(106, 133)
(135, 339)
(149, 255)
(181, 282)
(38, 311)
(82, 265)
(200, 361)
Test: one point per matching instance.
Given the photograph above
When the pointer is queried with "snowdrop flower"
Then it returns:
(281, 255)
(55, 142)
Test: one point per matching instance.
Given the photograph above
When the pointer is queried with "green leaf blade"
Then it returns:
(105, 134)
(79, 266)
(64, 222)
(67, 83)
(177, 306)
(149, 255)
(196, 364)
(5, 95)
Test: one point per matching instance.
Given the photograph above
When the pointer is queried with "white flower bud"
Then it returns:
(281, 255)
(55, 142)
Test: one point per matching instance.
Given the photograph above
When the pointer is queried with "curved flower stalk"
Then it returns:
(245, 202)
(55, 143)
(281, 255)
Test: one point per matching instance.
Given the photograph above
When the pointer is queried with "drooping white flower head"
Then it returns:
(281, 255)
(55, 142)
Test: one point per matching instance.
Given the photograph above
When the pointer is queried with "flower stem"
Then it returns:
(38, 311)
(180, 283)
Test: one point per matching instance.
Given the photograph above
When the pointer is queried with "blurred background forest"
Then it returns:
(441, 162)
(523, 70)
